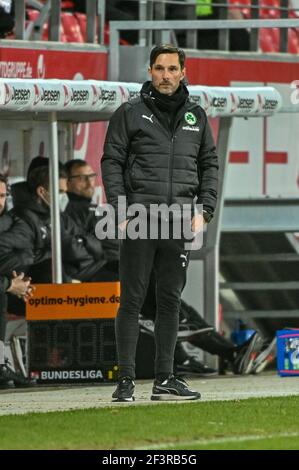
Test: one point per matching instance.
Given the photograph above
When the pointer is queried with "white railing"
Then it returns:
(105, 97)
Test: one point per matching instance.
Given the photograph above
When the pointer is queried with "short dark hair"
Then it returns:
(167, 49)
(40, 176)
(74, 163)
(36, 162)
(3, 179)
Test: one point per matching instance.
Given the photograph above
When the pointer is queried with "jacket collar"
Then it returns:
(76, 198)
(146, 95)
(149, 100)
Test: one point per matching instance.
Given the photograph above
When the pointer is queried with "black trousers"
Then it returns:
(169, 259)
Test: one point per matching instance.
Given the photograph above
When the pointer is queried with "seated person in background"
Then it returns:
(81, 259)
(26, 245)
(15, 255)
(81, 183)
(31, 204)
(10, 283)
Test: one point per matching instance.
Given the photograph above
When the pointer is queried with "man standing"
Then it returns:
(158, 150)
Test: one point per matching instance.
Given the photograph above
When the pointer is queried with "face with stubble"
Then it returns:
(166, 73)
(82, 181)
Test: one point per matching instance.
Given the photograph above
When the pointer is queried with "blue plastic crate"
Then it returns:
(288, 352)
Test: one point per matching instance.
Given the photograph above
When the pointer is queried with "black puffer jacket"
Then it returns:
(81, 259)
(37, 218)
(146, 162)
(15, 250)
(84, 213)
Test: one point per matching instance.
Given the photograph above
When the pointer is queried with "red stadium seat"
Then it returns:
(269, 40)
(71, 27)
(67, 4)
(293, 43)
(33, 16)
(82, 20)
(275, 35)
(266, 41)
(243, 3)
(269, 12)
(293, 13)
(245, 8)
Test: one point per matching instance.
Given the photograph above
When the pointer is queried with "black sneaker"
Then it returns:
(173, 388)
(8, 374)
(124, 390)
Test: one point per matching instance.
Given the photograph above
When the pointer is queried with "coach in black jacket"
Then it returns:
(158, 150)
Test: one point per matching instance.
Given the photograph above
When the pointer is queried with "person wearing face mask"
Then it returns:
(30, 236)
(63, 201)
(31, 200)
(81, 260)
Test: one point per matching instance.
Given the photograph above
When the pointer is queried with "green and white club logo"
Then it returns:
(190, 119)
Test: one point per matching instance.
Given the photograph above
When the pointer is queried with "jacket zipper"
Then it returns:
(170, 171)
(170, 167)
(173, 137)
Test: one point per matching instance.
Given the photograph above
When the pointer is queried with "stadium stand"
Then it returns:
(74, 24)
(269, 38)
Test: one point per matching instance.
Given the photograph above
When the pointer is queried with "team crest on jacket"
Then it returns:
(190, 118)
